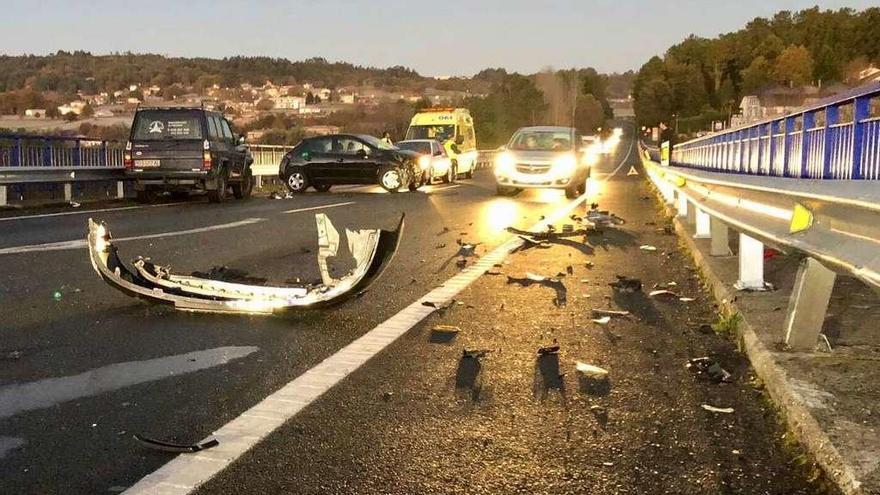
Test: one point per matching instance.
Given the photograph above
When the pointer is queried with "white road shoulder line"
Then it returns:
(81, 243)
(185, 473)
(86, 212)
(319, 207)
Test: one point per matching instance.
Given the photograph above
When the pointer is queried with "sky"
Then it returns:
(441, 38)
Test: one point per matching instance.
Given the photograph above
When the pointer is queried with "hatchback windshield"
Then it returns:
(422, 147)
(377, 143)
(439, 132)
(167, 124)
(542, 141)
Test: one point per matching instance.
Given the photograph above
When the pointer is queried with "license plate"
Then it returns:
(146, 163)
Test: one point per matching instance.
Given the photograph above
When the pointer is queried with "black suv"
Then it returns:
(187, 149)
(323, 161)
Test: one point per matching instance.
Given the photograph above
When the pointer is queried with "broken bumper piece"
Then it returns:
(371, 249)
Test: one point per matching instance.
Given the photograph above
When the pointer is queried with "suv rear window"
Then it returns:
(167, 124)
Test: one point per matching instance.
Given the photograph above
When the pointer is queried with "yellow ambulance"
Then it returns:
(454, 129)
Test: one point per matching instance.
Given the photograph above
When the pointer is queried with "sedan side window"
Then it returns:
(349, 146)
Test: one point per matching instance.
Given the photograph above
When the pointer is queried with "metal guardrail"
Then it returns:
(836, 138)
(20, 152)
(833, 223)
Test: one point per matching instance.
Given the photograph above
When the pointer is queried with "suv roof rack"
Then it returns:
(171, 105)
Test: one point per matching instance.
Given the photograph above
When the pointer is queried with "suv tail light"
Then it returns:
(206, 160)
(126, 156)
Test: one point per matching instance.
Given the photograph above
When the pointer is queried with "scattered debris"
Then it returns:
(708, 367)
(609, 312)
(663, 292)
(626, 284)
(686, 299)
(446, 329)
(444, 231)
(592, 372)
(475, 353)
(553, 283)
(74, 204)
(722, 410)
(174, 447)
(589, 264)
(647, 247)
(603, 320)
(705, 328)
(569, 270)
(494, 272)
(281, 195)
(440, 246)
(387, 396)
(602, 219)
(550, 349)
(461, 262)
(827, 342)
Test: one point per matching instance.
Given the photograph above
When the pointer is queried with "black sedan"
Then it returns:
(324, 161)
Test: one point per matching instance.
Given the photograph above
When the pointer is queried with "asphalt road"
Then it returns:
(416, 418)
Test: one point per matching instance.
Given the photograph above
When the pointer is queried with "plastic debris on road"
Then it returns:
(708, 367)
(175, 447)
(647, 247)
(602, 321)
(553, 283)
(591, 371)
(721, 410)
(626, 285)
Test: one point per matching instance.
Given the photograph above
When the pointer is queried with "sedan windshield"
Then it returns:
(377, 143)
(422, 147)
(541, 141)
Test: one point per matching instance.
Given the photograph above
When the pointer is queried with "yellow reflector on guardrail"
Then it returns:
(679, 181)
(801, 219)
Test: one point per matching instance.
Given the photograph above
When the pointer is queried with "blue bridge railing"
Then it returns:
(836, 138)
(27, 151)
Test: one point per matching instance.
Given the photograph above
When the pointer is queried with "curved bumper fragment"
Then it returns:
(372, 249)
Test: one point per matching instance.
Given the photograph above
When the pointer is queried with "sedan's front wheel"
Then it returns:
(390, 178)
(297, 181)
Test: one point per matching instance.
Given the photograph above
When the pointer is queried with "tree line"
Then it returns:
(701, 80)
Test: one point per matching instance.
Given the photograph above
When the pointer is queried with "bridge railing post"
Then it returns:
(806, 138)
(829, 136)
(861, 112)
(808, 305)
(788, 124)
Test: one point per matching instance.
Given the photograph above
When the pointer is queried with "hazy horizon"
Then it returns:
(457, 40)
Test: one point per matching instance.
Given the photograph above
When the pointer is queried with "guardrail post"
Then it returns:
(861, 112)
(720, 245)
(808, 305)
(120, 189)
(832, 118)
(809, 123)
(682, 205)
(691, 214)
(703, 224)
(751, 263)
(3, 196)
(68, 191)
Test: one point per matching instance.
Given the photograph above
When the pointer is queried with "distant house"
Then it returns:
(774, 102)
(289, 102)
(347, 98)
(75, 107)
(321, 130)
(869, 75)
(39, 113)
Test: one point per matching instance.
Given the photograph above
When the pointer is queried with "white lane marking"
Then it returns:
(8, 444)
(81, 243)
(184, 474)
(320, 207)
(85, 212)
(49, 392)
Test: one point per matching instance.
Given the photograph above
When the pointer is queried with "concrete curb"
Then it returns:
(797, 415)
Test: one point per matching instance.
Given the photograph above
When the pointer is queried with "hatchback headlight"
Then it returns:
(564, 166)
(424, 162)
(504, 164)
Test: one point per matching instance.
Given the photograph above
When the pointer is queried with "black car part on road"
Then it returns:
(372, 249)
